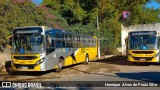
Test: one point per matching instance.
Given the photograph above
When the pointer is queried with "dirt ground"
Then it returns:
(106, 65)
(4, 56)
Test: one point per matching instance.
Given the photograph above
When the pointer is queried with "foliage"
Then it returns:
(16, 14)
(79, 16)
(88, 29)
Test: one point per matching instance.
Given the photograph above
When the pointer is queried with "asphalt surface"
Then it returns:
(98, 75)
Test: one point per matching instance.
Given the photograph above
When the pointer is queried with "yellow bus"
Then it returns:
(40, 48)
(143, 46)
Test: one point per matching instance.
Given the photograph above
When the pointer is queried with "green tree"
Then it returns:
(81, 14)
(15, 14)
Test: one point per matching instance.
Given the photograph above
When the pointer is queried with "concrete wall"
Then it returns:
(141, 27)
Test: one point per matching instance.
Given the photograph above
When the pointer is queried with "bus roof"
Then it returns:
(55, 30)
(30, 27)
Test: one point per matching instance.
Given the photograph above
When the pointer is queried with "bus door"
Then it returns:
(50, 49)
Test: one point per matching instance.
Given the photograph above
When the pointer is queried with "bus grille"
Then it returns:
(143, 58)
(142, 52)
(18, 66)
(25, 57)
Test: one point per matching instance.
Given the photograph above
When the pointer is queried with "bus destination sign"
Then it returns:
(27, 30)
(143, 33)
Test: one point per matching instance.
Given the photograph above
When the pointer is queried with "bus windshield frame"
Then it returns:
(28, 43)
(143, 42)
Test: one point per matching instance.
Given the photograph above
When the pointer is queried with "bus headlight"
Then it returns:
(130, 55)
(157, 54)
(40, 61)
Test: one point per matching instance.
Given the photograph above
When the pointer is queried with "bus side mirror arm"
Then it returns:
(9, 42)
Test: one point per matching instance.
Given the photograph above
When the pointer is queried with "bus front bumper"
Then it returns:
(131, 59)
(19, 67)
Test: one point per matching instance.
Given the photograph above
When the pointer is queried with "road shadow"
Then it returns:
(31, 73)
(87, 72)
(121, 60)
(143, 76)
(117, 60)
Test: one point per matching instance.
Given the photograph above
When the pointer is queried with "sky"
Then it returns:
(149, 5)
(37, 2)
(153, 4)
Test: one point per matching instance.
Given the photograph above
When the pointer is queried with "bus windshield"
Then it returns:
(143, 42)
(27, 43)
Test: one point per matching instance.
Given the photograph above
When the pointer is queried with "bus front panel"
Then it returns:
(143, 55)
(27, 62)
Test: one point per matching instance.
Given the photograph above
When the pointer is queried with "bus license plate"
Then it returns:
(24, 67)
(142, 59)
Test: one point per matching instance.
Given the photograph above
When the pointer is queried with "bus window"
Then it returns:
(77, 38)
(63, 37)
(73, 37)
(57, 35)
(70, 37)
(66, 37)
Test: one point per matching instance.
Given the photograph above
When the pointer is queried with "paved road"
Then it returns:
(109, 69)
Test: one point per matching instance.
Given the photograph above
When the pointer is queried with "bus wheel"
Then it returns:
(86, 59)
(8, 68)
(60, 65)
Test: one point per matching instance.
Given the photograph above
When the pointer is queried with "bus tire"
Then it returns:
(60, 65)
(8, 68)
(86, 59)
